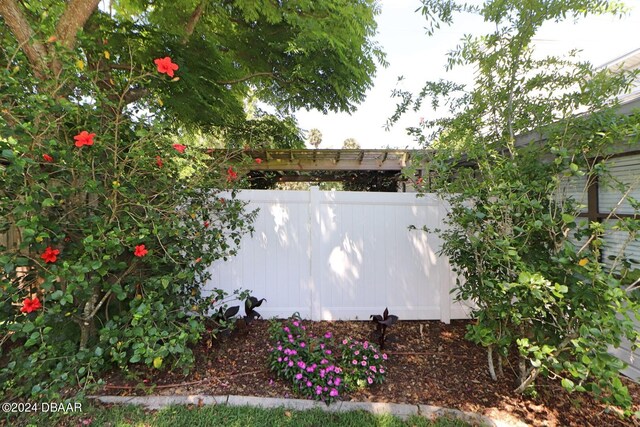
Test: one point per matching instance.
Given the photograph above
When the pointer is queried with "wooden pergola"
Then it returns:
(331, 160)
(321, 165)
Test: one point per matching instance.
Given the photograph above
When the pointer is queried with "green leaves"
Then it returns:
(512, 157)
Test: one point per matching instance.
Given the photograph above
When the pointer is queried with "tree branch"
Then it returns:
(193, 21)
(245, 78)
(135, 94)
(36, 51)
(74, 17)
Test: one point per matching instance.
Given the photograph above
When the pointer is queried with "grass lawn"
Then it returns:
(221, 415)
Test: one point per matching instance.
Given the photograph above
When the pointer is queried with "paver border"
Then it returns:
(400, 410)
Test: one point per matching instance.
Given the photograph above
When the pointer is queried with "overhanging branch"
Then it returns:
(16, 21)
(74, 17)
(193, 21)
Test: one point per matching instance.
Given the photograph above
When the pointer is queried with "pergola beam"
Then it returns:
(324, 159)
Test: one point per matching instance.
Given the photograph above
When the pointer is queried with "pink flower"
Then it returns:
(357, 352)
(179, 148)
(302, 344)
(258, 161)
(375, 356)
(327, 335)
(384, 356)
(344, 342)
(382, 370)
(296, 323)
(337, 381)
(369, 380)
(333, 392)
(373, 368)
(165, 66)
(363, 363)
(298, 377)
(354, 361)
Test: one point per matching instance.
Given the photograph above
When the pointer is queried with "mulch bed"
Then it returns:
(429, 363)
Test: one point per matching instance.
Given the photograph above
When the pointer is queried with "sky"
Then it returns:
(420, 58)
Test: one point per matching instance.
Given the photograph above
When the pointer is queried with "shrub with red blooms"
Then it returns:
(113, 252)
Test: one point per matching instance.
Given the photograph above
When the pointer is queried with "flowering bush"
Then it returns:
(117, 227)
(313, 366)
(363, 363)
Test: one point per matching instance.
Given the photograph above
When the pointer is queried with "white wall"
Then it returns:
(342, 255)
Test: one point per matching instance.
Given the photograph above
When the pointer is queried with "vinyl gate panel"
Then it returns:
(342, 255)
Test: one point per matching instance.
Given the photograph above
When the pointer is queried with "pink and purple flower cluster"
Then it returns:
(364, 363)
(307, 361)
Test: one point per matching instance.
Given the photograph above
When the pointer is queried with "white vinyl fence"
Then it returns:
(342, 255)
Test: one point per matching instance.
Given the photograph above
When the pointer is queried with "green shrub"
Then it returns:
(118, 225)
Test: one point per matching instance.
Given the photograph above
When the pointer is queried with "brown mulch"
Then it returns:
(429, 363)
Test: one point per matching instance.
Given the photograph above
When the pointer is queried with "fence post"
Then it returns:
(315, 239)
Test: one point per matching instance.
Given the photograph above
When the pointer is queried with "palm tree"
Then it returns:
(350, 144)
(315, 137)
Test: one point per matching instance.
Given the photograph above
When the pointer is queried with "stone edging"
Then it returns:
(403, 411)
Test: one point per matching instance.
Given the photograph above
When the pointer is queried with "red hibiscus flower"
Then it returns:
(140, 251)
(84, 138)
(50, 254)
(179, 147)
(29, 305)
(258, 161)
(165, 66)
(231, 175)
(159, 161)
(47, 158)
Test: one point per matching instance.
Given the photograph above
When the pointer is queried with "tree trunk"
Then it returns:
(87, 325)
(492, 370)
